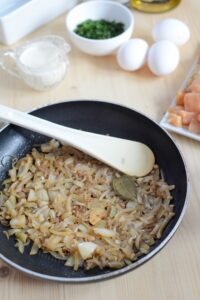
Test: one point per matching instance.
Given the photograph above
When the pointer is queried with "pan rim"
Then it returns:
(134, 265)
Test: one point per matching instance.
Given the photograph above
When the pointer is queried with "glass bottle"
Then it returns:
(154, 6)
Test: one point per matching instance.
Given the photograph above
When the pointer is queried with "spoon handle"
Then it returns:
(129, 157)
(71, 136)
(33, 123)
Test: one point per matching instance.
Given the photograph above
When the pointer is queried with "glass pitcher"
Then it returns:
(41, 63)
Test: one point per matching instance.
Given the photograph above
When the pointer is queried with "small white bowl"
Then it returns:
(97, 10)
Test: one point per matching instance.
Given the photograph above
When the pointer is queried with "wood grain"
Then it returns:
(174, 273)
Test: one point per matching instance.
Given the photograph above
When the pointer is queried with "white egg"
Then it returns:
(172, 30)
(163, 58)
(132, 55)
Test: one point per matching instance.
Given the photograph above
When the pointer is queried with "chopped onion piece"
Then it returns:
(34, 249)
(32, 195)
(104, 232)
(86, 249)
(82, 228)
(70, 261)
(42, 195)
(18, 222)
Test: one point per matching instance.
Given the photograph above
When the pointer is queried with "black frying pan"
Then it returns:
(99, 117)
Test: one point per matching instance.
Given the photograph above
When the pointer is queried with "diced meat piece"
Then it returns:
(192, 102)
(186, 116)
(195, 86)
(198, 117)
(175, 109)
(175, 120)
(180, 98)
(194, 126)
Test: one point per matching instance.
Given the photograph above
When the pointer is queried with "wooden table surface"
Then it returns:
(174, 273)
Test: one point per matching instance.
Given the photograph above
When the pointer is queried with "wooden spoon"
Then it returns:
(130, 157)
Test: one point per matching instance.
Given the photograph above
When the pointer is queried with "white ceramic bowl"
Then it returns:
(97, 10)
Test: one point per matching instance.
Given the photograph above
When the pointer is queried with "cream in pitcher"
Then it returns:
(41, 63)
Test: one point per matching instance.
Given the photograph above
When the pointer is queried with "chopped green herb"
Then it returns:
(99, 29)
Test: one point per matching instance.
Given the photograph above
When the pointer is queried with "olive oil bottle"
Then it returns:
(154, 6)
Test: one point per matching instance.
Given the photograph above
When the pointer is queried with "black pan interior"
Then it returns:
(99, 117)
